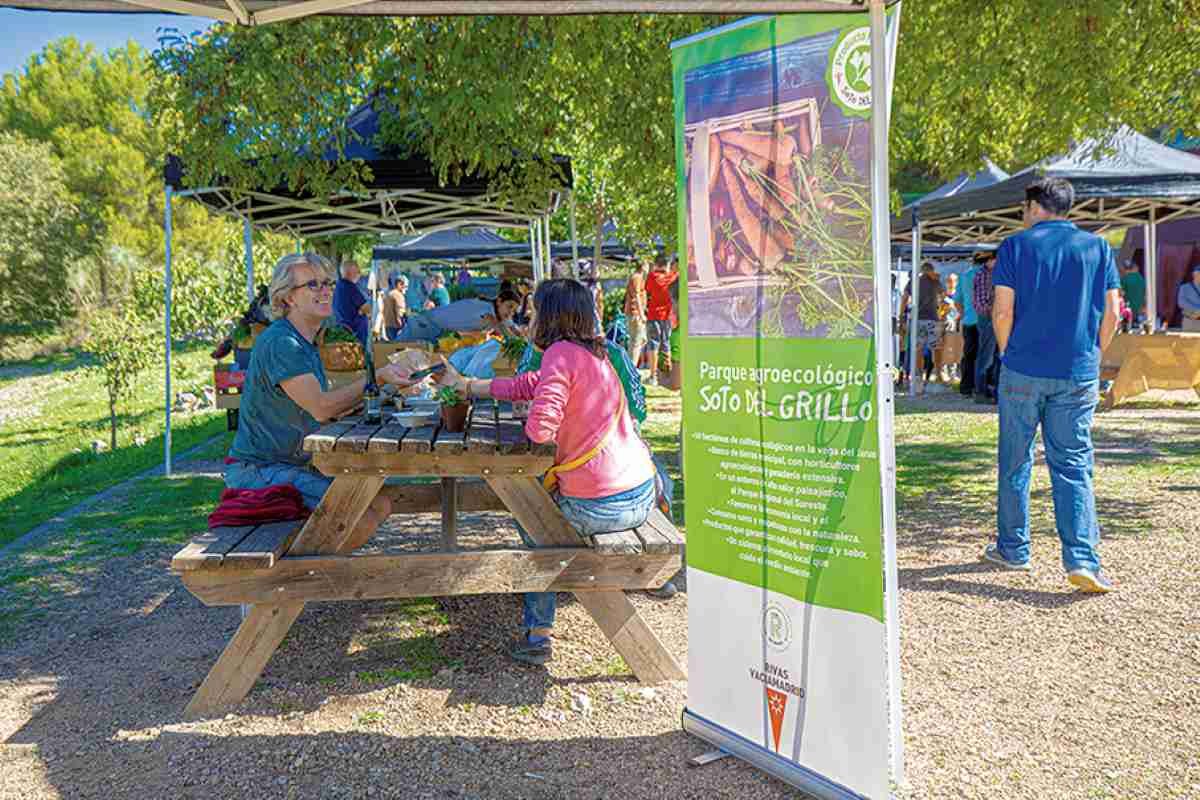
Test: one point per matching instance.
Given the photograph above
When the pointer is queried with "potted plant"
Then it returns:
(454, 409)
(340, 350)
(511, 350)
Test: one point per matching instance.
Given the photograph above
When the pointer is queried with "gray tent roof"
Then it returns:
(987, 176)
(450, 245)
(1120, 180)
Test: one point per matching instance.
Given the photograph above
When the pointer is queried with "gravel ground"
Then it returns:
(1014, 687)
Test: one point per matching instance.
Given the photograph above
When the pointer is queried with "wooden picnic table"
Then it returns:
(277, 568)
(1137, 363)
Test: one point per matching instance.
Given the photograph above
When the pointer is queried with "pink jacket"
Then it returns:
(574, 398)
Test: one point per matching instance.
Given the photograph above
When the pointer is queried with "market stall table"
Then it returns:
(277, 568)
(1137, 363)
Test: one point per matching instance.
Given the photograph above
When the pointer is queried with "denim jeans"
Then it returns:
(618, 512)
(311, 484)
(1064, 411)
(985, 356)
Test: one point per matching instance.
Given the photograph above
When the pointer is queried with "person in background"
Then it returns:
(350, 305)
(524, 315)
(395, 306)
(1056, 295)
(1134, 287)
(964, 302)
(1125, 314)
(986, 361)
(415, 297)
(635, 311)
(659, 310)
(468, 314)
(287, 396)
(929, 298)
(579, 403)
(1189, 301)
(438, 295)
(948, 318)
(464, 276)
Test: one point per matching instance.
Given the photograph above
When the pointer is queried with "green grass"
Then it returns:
(404, 635)
(49, 465)
(154, 513)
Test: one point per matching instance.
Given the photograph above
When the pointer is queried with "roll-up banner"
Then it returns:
(792, 658)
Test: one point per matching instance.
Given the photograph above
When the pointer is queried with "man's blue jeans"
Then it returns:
(1064, 411)
(618, 512)
(985, 356)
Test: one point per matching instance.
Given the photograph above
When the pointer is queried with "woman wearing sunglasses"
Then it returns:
(286, 395)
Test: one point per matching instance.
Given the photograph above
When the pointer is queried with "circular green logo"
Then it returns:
(849, 73)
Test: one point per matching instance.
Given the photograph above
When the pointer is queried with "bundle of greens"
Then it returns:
(513, 347)
(449, 396)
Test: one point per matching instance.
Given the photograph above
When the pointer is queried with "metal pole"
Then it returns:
(533, 255)
(167, 330)
(1151, 236)
(881, 245)
(574, 242)
(248, 244)
(549, 248)
(914, 288)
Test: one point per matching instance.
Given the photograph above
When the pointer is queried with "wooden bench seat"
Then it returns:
(241, 548)
(231, 566)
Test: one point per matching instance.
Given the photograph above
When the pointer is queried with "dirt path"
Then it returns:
(1014, 687)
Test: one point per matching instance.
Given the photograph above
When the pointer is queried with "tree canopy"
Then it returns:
(1014, 81)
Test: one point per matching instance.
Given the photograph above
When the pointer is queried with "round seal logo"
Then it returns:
(777, 627)
(849, 72)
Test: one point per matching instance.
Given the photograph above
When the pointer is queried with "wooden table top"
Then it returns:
(491, 430)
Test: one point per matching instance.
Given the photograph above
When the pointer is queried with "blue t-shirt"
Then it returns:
(347, 300)
(440, 296)
(1059, 275)
(964, 295)
(415, 295)
(271, 426)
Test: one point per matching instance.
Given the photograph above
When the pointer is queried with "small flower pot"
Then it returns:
(454, 418)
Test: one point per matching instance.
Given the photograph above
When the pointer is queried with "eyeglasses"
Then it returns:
(316, 285)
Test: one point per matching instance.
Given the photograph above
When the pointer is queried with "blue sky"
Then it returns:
(23, 33)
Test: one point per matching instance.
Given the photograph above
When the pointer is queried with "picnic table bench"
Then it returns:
(276, 568)
(1137, 363)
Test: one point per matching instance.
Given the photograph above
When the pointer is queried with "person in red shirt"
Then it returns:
(659, 310)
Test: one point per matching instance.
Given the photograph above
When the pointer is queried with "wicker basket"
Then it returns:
(340, 356)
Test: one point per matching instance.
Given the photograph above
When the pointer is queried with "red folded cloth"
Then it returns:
(257, 506)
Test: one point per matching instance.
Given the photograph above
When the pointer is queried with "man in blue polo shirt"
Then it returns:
(1055, 311)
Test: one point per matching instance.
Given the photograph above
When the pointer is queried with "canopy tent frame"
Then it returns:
(1139, 185)
(372, 211)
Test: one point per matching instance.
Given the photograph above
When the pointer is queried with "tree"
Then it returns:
(90, 110)
(38, 240)
(125, 346)
(1016, 81)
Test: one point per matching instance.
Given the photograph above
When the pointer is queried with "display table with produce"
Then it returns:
(489, 466)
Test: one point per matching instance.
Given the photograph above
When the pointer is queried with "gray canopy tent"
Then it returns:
(1123, 180)
(963, 184)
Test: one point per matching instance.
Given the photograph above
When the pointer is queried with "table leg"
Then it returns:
(263, 628)
(620, 621)
(449, 514)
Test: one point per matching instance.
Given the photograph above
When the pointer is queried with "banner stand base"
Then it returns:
(709, 757)
(787, 771)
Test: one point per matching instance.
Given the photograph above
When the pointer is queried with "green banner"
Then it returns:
(783, 477)
(787, 636)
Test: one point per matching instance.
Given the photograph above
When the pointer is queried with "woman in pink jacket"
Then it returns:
(577, 402)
